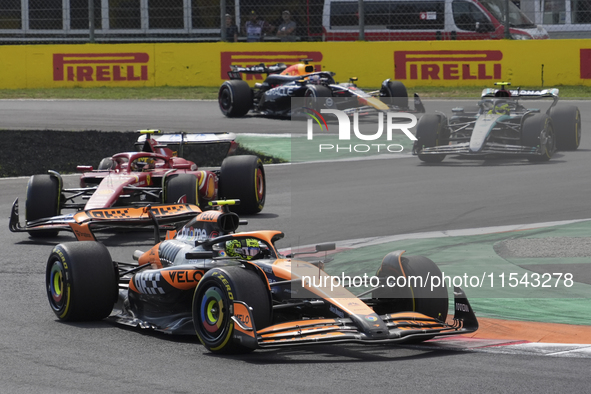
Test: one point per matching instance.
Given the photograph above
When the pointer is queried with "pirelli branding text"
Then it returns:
(448, 65)
(100, 67)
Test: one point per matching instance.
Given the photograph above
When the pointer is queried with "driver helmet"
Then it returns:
(247, 248)
(150, 164)
(502, 109)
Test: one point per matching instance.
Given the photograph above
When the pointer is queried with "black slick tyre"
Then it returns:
(417, 294)
(235, 98)
(394, 93)
(318, 97)
(179, 186)
(81, 281)
(212, 303)
(43, 201)
(243, 178)
(538, 132)
(567, 127)
(431, 132)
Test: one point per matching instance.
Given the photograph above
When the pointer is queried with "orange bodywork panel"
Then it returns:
(182, 279)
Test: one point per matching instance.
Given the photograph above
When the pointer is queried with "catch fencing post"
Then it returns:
(361, 21)
(91, 21)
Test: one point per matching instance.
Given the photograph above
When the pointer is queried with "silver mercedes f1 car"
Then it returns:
(500, 125)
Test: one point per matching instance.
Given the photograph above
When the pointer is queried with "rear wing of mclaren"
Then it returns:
(403, 327)
(83, 223)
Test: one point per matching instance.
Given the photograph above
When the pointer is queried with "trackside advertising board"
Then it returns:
(435, 63)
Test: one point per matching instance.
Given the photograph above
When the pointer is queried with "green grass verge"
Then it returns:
(210, 93)
(110, 93)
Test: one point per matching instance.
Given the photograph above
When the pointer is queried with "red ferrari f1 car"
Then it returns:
(153, 175)
(238, 293)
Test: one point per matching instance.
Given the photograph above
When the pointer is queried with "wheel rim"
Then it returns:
(309, 93)
(212, 313)
(225, 99)
(547, 141)
(259, 185)
(56, 286)
(310, 98)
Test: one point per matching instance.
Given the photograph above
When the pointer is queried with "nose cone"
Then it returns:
(482, 129)
(371, 325)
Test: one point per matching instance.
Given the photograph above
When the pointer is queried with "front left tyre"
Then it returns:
(538, 132)
(243, 178)
(418, 293)
(43, 201)
(81, 281)
(431, 132)
(181, 186)
(394, 93)
(235, 98)
(213, 303)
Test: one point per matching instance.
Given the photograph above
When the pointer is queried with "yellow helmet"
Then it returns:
(502, 109)
(150, 164)
(246, 249)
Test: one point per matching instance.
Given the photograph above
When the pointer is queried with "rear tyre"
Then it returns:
(394, 93)
(81, 281)
(43, 201)
(567, 127)
(431, 131)
(213, 299)
(181, 186)
(421, 298)
(243, 178)
(235, 98)
(537, 132)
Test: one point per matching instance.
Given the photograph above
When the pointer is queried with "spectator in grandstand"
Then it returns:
(286, 29)
(255, 28)
(231, 29)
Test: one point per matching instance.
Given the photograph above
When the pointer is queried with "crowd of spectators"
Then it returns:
(256, 29)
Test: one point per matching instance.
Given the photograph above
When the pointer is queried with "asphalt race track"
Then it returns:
(311, 203)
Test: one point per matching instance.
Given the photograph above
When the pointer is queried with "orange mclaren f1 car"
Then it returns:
(238, 293)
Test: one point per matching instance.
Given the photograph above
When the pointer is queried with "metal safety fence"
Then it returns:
(71, 21)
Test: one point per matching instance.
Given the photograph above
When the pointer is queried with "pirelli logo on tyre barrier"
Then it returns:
(586, 63)
(447, 65)
(532, 63)
(86, 67)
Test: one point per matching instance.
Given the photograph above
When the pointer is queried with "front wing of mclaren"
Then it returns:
(81, 223)
(402, 327)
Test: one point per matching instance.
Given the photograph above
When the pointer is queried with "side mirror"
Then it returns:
(325, 247)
